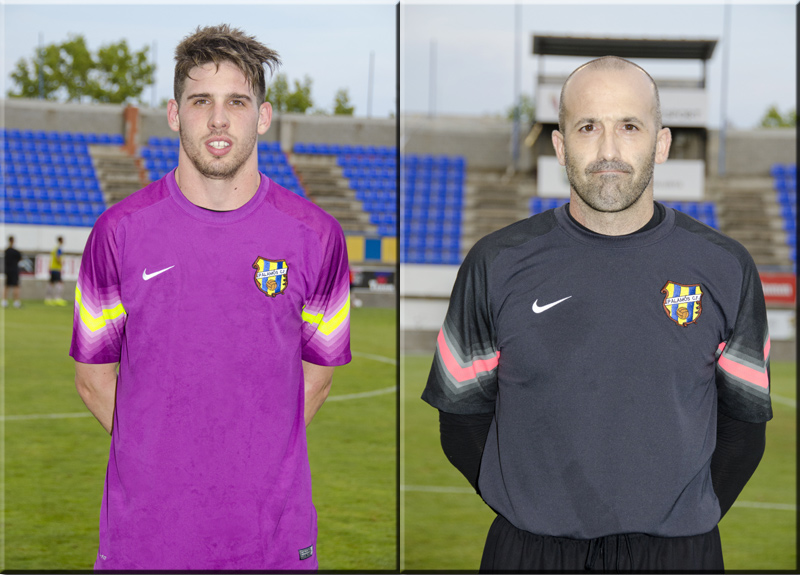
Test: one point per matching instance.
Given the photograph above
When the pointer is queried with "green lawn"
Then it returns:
(445, 522)
(55, 467)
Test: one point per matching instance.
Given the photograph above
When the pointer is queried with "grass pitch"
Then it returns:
(445, 522)
(55, 466)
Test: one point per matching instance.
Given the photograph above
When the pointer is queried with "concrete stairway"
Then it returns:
(326, 186)
(492, 201)
(118, 173)
(748, 212)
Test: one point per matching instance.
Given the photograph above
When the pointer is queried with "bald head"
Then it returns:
(609, 64)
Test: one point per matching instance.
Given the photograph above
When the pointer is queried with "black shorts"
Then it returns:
(55, 277)
(509, 549)
(12, 279)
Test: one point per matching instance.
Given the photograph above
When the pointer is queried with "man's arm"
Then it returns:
(317, 380)
(463, 438)
(97, 386)
(740, 445)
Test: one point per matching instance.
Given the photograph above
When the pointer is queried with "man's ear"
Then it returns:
(663, 143)
(558, 144)
(264, 117)
(172, 116)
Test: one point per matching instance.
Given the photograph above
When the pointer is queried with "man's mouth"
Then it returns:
(218, 147)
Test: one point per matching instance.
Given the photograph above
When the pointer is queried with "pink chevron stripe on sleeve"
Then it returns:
(750, 375)
(462, 374)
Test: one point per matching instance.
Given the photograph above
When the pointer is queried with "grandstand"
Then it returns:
(49, 178)
(64, 164)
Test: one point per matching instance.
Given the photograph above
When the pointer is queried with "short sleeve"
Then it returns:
(99, 318)
(463, 377)
(326, 314)
(743, 359)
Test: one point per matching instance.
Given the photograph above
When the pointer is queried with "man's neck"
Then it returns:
(218, 195)
(613, 223)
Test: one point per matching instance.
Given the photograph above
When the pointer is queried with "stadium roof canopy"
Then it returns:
(667, 49)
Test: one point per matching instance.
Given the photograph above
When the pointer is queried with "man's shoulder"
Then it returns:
(150, 195)
(301, 209)
(712, 237)
(511, 236)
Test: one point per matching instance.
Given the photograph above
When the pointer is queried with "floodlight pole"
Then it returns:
(517, 72)
(432, 81)
(41, 66)
(726, 31)
(155, 75)
(370, 81)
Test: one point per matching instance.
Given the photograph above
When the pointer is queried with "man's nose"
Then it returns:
(219, 117)
(609, 147)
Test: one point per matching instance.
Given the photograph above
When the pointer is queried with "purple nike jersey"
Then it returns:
(209, 315)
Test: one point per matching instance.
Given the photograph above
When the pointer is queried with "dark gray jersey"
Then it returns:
(604, 360)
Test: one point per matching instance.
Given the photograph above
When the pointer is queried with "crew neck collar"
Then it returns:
(653, 231)
(212, 216)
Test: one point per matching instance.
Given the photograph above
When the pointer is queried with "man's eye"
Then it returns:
(587, 128)
(631, 128)
(237, 102)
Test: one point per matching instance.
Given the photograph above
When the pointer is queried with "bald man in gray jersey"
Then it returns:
(602, 374)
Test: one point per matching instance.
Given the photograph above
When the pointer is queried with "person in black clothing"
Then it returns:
(602, 374)
(12, 259)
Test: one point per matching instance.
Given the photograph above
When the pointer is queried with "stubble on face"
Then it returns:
(225, 168)
(610, 192)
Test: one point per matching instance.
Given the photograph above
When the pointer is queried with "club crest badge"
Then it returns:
(272, 276)
(683, 303)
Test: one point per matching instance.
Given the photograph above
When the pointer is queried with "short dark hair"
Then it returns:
(217, 44)
(607, 63)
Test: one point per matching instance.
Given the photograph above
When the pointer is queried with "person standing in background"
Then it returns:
(11, 265)
(56, 286)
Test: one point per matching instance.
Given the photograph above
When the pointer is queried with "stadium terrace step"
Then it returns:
(117, 172)
(748, 211)
(326, 186)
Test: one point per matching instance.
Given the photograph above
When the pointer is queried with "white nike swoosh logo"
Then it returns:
(146, 276)
(539, 309)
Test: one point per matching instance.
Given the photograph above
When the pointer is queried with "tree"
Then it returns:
(527, 110)
(121, 74)
(341, 103)
(69, 72)
(300, 100)
(773, 118)
(278, 92)
(283, 100)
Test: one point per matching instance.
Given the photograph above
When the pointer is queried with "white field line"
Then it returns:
(380, 358)
(345, 397)
(362, 394)
(471, 491)
(44, 416)
(784, 400)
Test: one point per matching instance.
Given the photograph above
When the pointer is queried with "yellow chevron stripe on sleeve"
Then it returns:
(328, 327)
(96, 323)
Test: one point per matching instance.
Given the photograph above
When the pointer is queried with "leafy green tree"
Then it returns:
(341, 104)
(774, 119)
(527, 110)
(70, 72)
(278, 92)
(121, 74)
(300, 100)
(283, 100)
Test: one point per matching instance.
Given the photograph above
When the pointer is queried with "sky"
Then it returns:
(331, 43)
(474, 47)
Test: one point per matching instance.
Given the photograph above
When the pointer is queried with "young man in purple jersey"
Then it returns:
(210, 311)
(602, 374)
